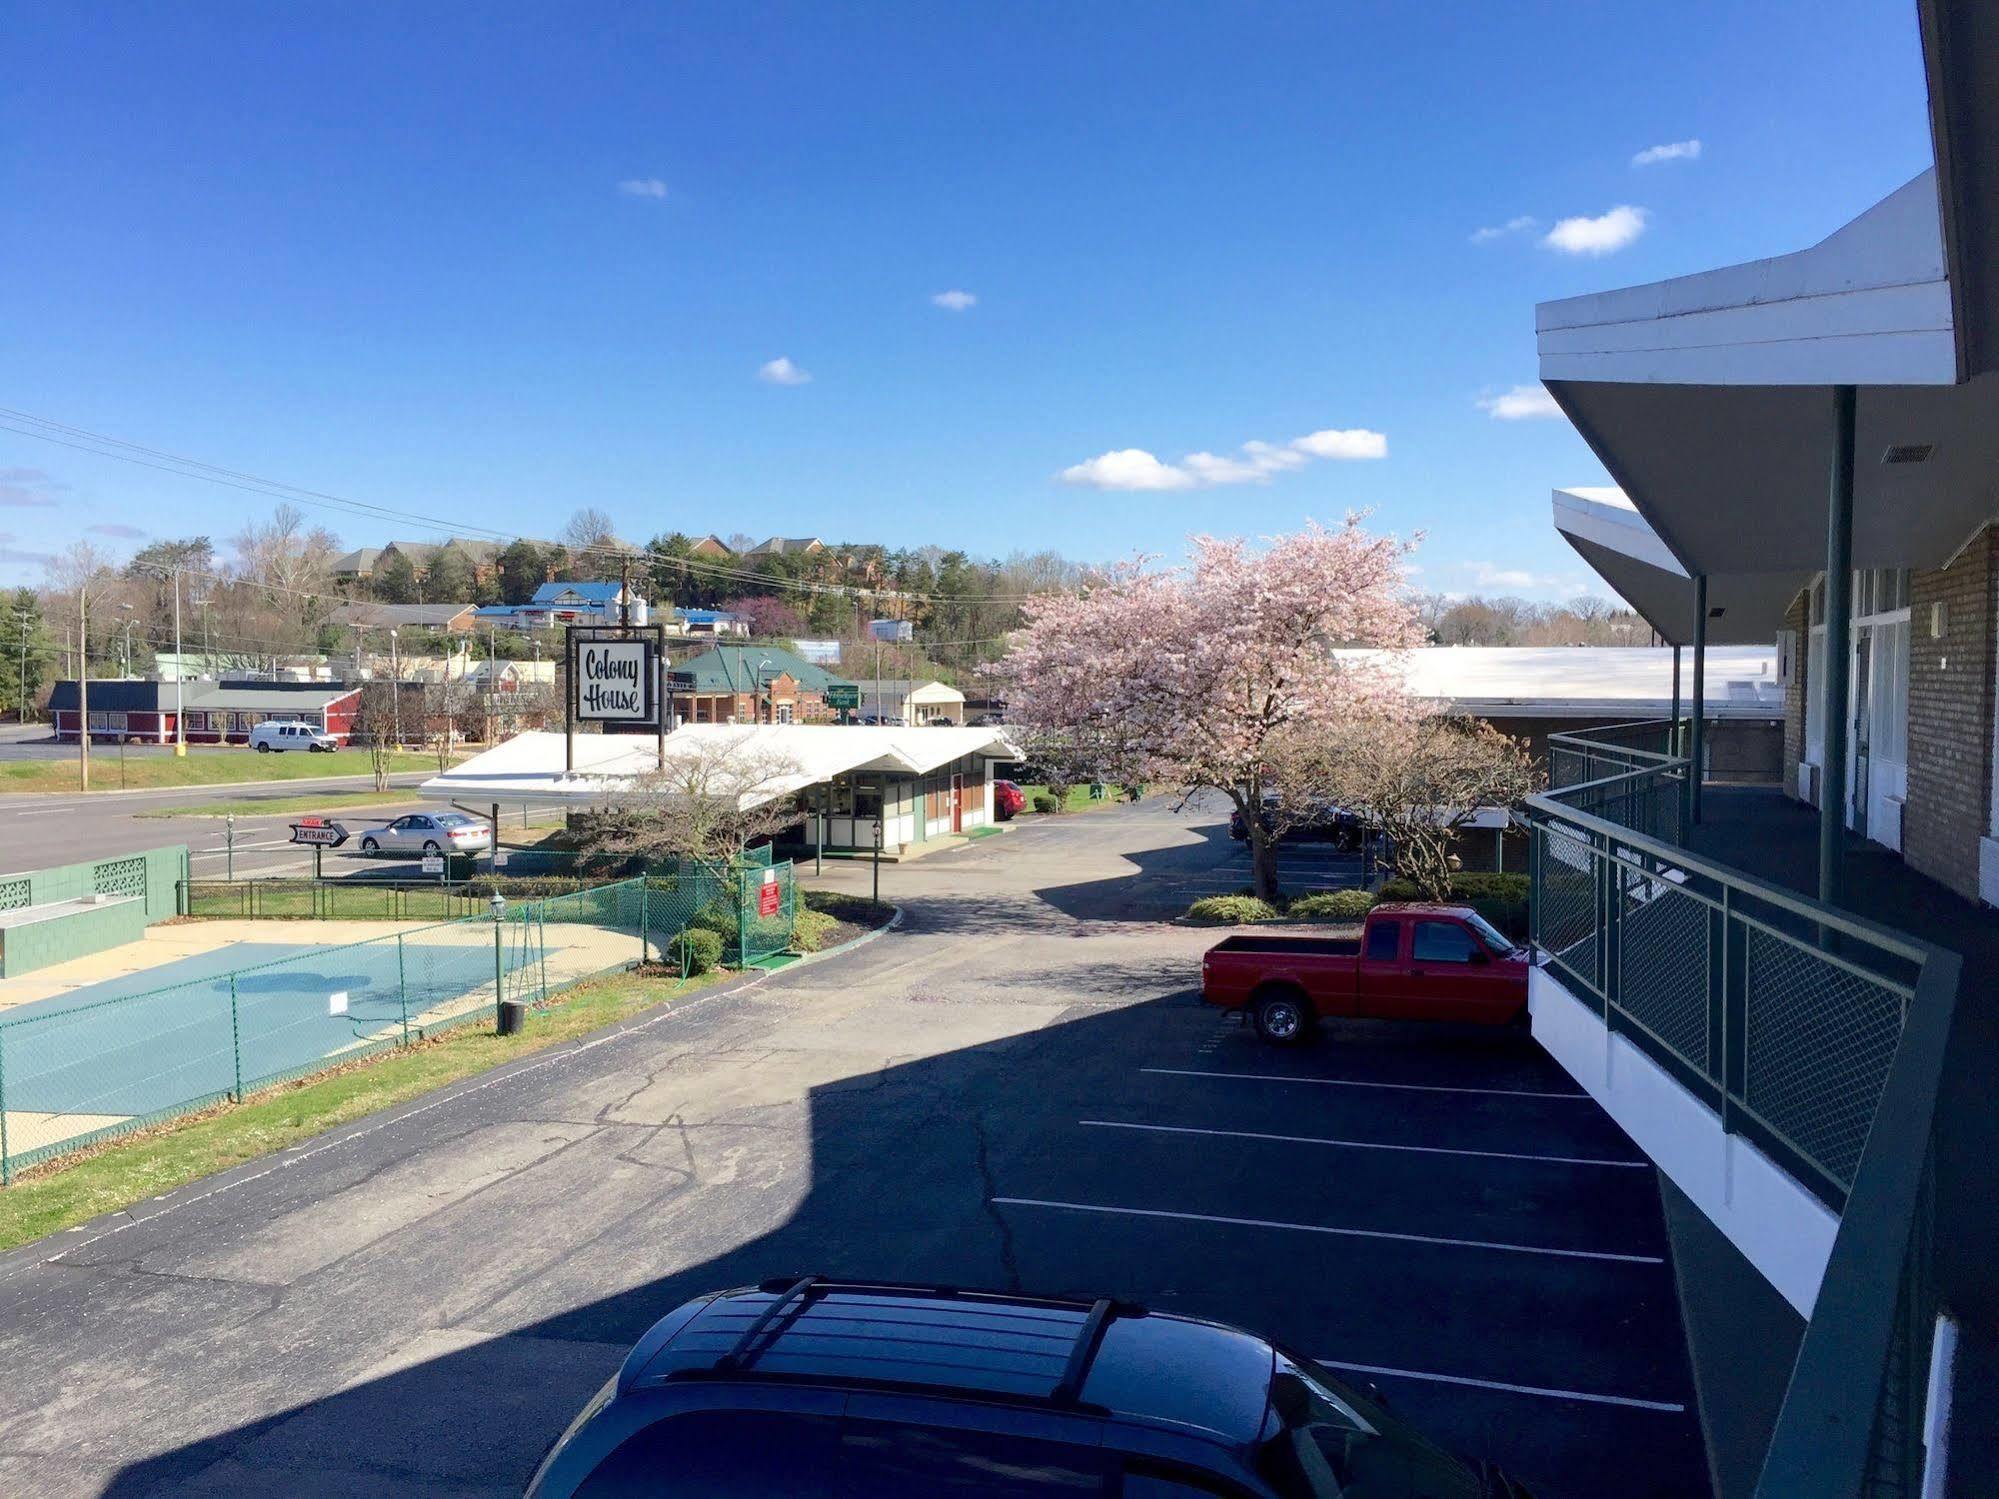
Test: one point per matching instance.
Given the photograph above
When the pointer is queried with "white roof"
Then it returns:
(530, 766)
(1571, 681)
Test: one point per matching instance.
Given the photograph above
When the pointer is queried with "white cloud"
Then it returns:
(642, 187)
(1601, 235)
(1128, 468)
(1254, 463)
(105, 528)
(781, 371)
(1518, 224)
(1348, 443)
(1486, 575)
(1651, 156)
(1523, 403)
(954, 300)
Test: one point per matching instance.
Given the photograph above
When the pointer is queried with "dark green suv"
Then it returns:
(818, 1389)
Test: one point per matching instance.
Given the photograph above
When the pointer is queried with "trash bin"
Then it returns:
(513, 1016)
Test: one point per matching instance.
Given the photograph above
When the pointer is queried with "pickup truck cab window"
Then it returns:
(1383, 938)
(1443, 942)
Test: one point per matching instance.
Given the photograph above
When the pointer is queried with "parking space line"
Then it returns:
(1247, 1134)
(1344, 1233)
(1671, 1406)
(1337, 1082)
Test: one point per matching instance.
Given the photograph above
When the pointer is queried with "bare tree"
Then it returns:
(714, 797)
(1419, 777)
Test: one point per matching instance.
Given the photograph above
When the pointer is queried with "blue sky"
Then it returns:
(496, 264)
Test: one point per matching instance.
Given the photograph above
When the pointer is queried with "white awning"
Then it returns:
(1708, 398)
(1610, 535)
(529, 767)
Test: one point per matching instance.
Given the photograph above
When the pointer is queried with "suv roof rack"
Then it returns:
(790, 1295)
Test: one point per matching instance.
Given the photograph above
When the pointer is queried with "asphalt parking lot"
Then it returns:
(1016, 1089)
(1440, 1213)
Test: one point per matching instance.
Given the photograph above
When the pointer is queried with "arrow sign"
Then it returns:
(315, 833)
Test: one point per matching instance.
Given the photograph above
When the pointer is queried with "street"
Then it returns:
(1017, 1088)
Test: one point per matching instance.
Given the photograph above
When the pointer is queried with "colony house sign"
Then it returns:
(614, 681)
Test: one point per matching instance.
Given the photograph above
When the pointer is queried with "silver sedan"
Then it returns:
(429, 833)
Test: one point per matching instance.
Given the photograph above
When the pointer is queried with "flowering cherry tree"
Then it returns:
(1200, 676)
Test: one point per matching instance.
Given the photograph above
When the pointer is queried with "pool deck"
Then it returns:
(170, 942)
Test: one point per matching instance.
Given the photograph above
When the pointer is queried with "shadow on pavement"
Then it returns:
(898, 1173)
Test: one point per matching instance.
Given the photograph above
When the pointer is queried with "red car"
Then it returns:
(1411, 962)
(1008, 800)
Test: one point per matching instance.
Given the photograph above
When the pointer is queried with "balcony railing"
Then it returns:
(1815, 1034)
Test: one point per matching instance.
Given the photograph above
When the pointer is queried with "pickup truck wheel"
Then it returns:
(1282, 1018)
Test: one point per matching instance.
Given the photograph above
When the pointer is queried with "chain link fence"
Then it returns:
(74, 1074)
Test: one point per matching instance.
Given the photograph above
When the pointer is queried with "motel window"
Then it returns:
(840, 799)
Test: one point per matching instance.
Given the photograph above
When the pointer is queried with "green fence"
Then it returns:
(71, 1076)
(354, 898)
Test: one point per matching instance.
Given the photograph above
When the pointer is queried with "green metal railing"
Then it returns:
(1815, 1034)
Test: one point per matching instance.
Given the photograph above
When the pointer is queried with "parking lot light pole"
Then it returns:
(499, 905)
(229, 845)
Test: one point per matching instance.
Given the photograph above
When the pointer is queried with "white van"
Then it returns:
(277, 734)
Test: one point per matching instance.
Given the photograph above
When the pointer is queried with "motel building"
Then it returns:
(928, 787)
(1785, 992)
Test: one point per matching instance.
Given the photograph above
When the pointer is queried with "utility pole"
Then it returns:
(22, 616)
(83, 687)
(396, 689)
(490, 740)
(128, 640)
(180, 676)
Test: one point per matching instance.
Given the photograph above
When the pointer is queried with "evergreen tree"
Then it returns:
(25, 648)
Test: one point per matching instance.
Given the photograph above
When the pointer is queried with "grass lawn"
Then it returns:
(153, 767)
(324, 801)
(121, 1172)
(1078, 799)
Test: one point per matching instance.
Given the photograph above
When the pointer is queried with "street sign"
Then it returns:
(500, 858)
(314, 833)
(433, 863)
(614, 681)
(843, 695)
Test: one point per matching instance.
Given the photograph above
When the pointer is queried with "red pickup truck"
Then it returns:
(1410, 962)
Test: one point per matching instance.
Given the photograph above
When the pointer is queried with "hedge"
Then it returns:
(1231, 910)
(1332, 905)
(1500, 898)
(1043, 802)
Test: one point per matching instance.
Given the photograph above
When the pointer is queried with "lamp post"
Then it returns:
(126, 610)
(757, 695)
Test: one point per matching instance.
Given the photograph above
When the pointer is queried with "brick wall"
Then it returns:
(1799, 622)
(1950, 718)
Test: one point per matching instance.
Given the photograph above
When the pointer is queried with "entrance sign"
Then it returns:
(614, 681)
(843, 695)
(317, 834)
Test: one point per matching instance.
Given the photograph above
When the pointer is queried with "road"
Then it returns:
(1017, 1089)
(38, 830)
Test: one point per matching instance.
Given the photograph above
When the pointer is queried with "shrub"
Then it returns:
(718, 916)
(810, 929)
(696, 950)
(1043, 802)
(1332, 905)
(1231, 910)
(1500, 898)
